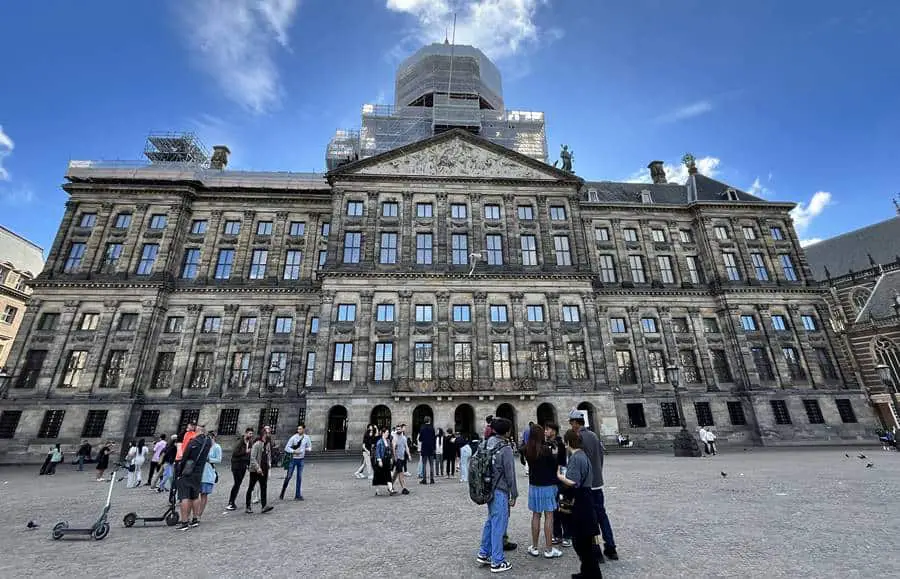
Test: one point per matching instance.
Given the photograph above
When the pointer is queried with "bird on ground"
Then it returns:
(870, 464)
(724, 474)
(32, 525)
(846, 455)
(862, 456)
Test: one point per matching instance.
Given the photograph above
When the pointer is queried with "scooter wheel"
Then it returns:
(172, 519)
(101, 532)
(58, 530)
(129, 519)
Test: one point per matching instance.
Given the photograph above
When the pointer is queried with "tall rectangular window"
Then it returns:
(74, 369)
(720, 365)
(198, 226)
(534, 313)
(388, 252)
(636, 264)
(686, 236)
(780, 412)
(762, 363)
(492, 212)
(825, 364)
(89, 321)
(343, 361)
(792, 358)
(158, 221)
(284, 325)
(494, 245)
(813, 411)
(127, 322)
(354, 208)
(458, 211)
(525, 212)
(258, 260)
(577, 361)
(111, 256)
(649, 326)
(424, 248)
(384, 361)
(501, 362)
(264, 228)
(462, 313)
(51, 424)
(48, 321)
(528, 244)
(731, 268)
(34, 362)
(277, 372)
(557, 213)
(231, 227)
(759, 266)
(845, 410)
(326, 229)
(694, 271)
(607, 269)
(423, 361)
(384, 313)
(94, 424)
(657, 367)
(424, 313)
(625, 367)
(424, 210)
(75, 257)
(8, 315)
(561, 248)
(314, 325)
(115, 369)
(202, 372)
(617, 325)
(704, 414)
(224, 264)
(748, 323)
(228, 421)
(658, 235)
(346, 313)
(292, 262)
(240, 370)
(247, 325)
(680, 325)
(162, 372)
(779, 323)
(352, 245)
(710, 326)
(720, 232)
(571, 314)
(665, 269)
(636, 418)
(323, 255)
(190, 265)
(390, 209)
(310, 375)
(123, 221)
(689, 371)
(297, 229)
(736, 413)
(630, 234)
(148, 258)
(211, 325)
(749, 232)
(460, 249)
(498, 314)
(462, 361)
(601, 234)
(777, 233)
(787, 266)
(669, 412)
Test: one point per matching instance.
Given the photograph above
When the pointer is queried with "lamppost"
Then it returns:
(884, 372)
(684, 444)
(4, 382)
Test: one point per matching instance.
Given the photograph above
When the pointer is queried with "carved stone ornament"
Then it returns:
(170, 341)
(194, 307)
(43, 339)
(516, 297)
(405, 294)
(442, 296)
(232, 308)
(480, 297)
(267, 308)
(499, 330)
(456, 158)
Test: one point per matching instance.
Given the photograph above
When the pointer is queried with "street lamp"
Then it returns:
(884, 372)
(684, 444)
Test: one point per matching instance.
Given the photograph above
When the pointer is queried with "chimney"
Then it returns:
(657, 172)
(219, 157)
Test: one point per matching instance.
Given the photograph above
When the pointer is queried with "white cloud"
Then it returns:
(6, 147)
(804, 213)
(234, 42)
(758, 189)
(16, 197)
(500, 28)
(810, 241)
(686, 112)
(677, 172)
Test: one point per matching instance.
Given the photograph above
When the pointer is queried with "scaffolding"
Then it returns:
(171, 148)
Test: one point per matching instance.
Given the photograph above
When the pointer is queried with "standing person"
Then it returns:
(260, 466)
(384, 453)
(210, 476)
(297, 446)
(582, 518)
(711, 441)
(56, 457)
(84, 455)
(190, 477)
(189, 434)
(427, 449)
(156, 458)
(542, 470)
(593, 449)
(401, 455)
(167, 480)
(138, 455)
(465, 454)
(702, 434)
(365, 468)
(240, 462)
(450, 453)
(488, 431)
(551, 434)
(103, 460)
(439, 451)
(503, 474)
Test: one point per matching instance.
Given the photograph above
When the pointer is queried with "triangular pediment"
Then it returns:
(456, 154)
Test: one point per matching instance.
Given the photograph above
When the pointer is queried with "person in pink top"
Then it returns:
(156, 459)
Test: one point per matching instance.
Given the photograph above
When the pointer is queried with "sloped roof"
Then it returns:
(851, 251)
(881, 302)
(671, 193)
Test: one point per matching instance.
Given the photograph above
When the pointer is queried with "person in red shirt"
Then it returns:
(189, 435)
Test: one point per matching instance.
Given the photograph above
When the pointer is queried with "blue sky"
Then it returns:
(793, 100)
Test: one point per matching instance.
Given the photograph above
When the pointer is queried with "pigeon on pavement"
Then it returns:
(870, 464)
(861, 456)
(724, 474)
(32, 525)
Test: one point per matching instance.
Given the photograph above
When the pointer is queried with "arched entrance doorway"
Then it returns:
(336, 435)
(546, 413)
(418, 419)
(590, 415)
(464, 420)
(507, 411)
(380, 417)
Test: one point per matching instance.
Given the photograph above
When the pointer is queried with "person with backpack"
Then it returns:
(384, 456)
(492, 481)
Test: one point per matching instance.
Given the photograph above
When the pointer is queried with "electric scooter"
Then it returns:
(100, 529)
(170, 516)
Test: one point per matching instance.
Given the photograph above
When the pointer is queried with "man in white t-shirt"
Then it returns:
(297, 446)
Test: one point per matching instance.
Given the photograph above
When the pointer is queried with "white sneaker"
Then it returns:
(567, 542)
(552, 553)
(532, 550)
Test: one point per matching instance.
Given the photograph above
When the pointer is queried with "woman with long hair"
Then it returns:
(137, 455)
(542, 471)
(369, 439)
(439, 451)
(581, 520)
(260, 467)
(384, 458)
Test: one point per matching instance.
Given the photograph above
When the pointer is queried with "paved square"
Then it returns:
(784, 513)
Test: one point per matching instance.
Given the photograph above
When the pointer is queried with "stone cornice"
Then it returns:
(461, 275)
(537, 183)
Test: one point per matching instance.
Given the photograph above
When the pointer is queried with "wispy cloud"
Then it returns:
(6, 148)
(234, 42)
(16, 196)
(686, 112)
(759, 189)
(804, 213)
(676, 172)
(810, 241)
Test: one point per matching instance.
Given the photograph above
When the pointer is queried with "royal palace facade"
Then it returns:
(450, 277)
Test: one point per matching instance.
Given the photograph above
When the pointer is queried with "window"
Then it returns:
(123, 221)
(314, 325)
(669, 413)
(601, 234)
(721, 232)
(557, 213)
(498, 314)
(190, 265)
(689, 372)
(74, 368)
(492, 212)
(657, 367)
(780, 412)
(630, 234)
(89, 321)
(258, 261)
(76, 254)
(292, 261)
(759, 265)
(648, 325)
(777, 233)
(636, 263)
(792, 358)
(462, 313)
(680, 325)
(710, 326)
(198, 226)
(200, 375)
(346, 313)
(787, 266)
(343, 360)
(646, 197)
(173, 324)
(297, 229)
(228, 421)
(748, 323)
(240, 370)
(51, 424)
(352, 244)
(625, 367)
(232, 227)
(354, 208)
(607, 269)
(762, 363)
(264, 228)
(277, 368)
(528, 244)
(720, 366)
(424, 312)
(617, 325)
(268, 417)
(48, 321)
(736, 413)
(384, 313)
(561, 247)
(284, 325)
(636, 417)
(146, 427)
(127, 322)
(658, 235)
(323, 255)
(571, 314)
(423, 248)
(813, 411)
(34, 362)
(526, 212)
(247, 325)
(500, 359)
(577, 361)
(460, 249)
(424, 210)
(494, 244)
(94, 423)
(462, 361)
(111, 256)
(148, 258)
(162, 373)
(8, 315)
(384, 360)
(694, 271)
(686, 236)
(665, 269)
(211, 325)
(540, 361)
(115, 369)
(749, 232)
(825, 365)
(88, 220)
(389, 209)
(731, 268)
(845, 409)
(535, 313)
(458, 211)
(388, 252)
(423, 360)
(310, 369)
(224, 264)
(326, 229)
(158, 221)
(779, 324)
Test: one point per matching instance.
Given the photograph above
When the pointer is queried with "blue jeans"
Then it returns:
(81, 462)
(603, 519)
(296, 464)
(495, 528)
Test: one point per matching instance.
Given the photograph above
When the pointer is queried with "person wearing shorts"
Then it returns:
(401, 455)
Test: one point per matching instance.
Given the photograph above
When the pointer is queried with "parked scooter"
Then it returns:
(100, 529)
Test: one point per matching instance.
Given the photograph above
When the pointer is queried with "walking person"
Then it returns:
(384, 455)
(702, 434)
(56, 457)
(401, 456)
(581, 516)
(190, 477)
(542, 490)
(465, 454)
(260, 467)
(439, 451)
(450, 453)
(156, 458)
(103, 460)
(240, 462)
(551, 435)
(210, 475)
(138, 456)
(369, 438)
(427, 449)
(297, 446)
(167, 479)
(84, 455)
(711, 441)
(503, 475)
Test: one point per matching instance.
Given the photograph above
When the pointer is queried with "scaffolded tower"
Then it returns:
(171, 148)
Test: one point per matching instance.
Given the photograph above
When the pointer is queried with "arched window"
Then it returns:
(887, 352)
(859, 298)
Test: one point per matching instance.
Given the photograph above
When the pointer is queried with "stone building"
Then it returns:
(20, 261)
(861, 270)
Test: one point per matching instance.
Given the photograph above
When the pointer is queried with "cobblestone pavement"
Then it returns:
(785, 513)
